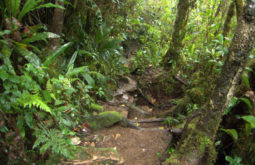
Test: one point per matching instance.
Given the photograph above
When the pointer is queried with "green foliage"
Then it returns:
(14, 7)
(55, 54)
(250, 119)
(234, 101)
(28, 100)
(233, 161)
(54, 140)
(232, 133)
(170, 121)
(231, 104)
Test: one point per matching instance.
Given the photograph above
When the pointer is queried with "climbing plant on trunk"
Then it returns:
(197, 146)
(227, 23)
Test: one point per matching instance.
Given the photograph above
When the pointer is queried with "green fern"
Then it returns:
(53, 140)
(29, 100)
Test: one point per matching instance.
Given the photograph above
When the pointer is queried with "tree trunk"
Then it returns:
(227, 24)
(197, 146)
(239, 9)
(183, 10)
(57, 25)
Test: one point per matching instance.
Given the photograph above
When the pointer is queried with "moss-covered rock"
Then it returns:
(105, 119)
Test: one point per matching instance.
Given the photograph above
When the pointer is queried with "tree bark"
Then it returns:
(239, 9)
(57, 25)
(183, 11)
(197, 148)
(230, 15)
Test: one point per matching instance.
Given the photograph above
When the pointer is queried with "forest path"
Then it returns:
(147, 146)
(125, 145)
(136, 147)
(130, 146)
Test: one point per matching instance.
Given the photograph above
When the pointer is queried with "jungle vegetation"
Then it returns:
(60, 58)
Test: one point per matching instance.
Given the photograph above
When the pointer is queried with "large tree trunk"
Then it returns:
(197, 146)
(57, 25)
(183, 10)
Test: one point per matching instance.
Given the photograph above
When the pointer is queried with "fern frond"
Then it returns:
(29, 100)
(53, 140)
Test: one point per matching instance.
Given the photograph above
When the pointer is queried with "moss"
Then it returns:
(181, 106)
(196, 95)
(96, 107)
(105, 119)
(231, 13)
(197, 145)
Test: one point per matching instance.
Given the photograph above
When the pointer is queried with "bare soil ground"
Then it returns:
(136, 147)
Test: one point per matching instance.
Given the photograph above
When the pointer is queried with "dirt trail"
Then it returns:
(136, 147)
(147, 146)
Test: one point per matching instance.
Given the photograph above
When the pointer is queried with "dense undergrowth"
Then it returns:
(45, 92)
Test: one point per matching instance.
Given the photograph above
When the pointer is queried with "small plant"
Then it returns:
(171, 121)
(170, 151)
(159, 155)
(233, 161)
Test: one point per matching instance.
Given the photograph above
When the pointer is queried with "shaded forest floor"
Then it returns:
(147, 146)
(143, 105)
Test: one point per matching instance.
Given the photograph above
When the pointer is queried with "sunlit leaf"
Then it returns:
(28, 55)
(232, 133)
(231, 104)
(250, 119)
(247, 102)
(55, 54)
(48, 5)
(245, 79)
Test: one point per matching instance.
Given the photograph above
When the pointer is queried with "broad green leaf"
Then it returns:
(232, 133)
(221, 39)
(15, 7)
(5, 32)
(249, 69)
(250, 119)
(247, 102)
(71, 62)
(229, 159)
(55, 54)
(76, 71)
(89, 79)
(48, 5)
(28, 6)
(245, 78)
(28, 55)
(231, 104)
